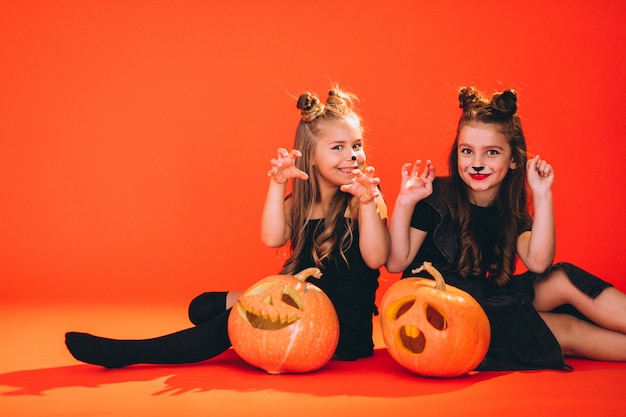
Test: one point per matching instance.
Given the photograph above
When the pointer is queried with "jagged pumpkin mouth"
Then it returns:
(267, 313)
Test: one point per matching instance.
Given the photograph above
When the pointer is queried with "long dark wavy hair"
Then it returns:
(512, 202)
(339, 106)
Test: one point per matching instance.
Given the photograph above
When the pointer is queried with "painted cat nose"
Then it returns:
(354, 157)
(478, 169)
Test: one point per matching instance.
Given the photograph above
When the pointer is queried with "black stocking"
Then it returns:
(196, 344)
(206, 306)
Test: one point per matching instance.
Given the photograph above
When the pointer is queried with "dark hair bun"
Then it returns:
(504, 103)
(467, 97)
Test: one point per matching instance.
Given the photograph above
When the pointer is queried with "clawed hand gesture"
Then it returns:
(365, 185)
(540, 175)
(415, 186)
(284, 166)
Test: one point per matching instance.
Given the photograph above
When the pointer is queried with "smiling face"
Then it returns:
(284, 324)
(339, 150)
(484, 159)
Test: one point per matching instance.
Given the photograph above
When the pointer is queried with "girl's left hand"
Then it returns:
(365, 185)
(540, 175)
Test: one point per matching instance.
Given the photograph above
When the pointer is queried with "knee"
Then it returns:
(551, 291)
(206, 306)
(197, 309)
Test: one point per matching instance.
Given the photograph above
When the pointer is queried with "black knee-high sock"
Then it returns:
(206, 306)
(186, 346)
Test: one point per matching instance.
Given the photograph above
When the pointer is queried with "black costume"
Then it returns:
(351, 288)
(520, 339)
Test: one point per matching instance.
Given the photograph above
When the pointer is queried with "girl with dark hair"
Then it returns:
(334, 218)
(474, 224)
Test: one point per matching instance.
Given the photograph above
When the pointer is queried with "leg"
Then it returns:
(586, 340)
(607, 310)
(208, 305)
(231, 298)
(187, 346)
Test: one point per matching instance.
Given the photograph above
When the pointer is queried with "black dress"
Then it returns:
(520, 339)
(352, 289)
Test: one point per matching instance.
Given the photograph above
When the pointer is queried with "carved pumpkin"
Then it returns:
(433, 329)
(284, 324)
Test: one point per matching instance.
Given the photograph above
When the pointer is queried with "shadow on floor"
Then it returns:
(378, 376)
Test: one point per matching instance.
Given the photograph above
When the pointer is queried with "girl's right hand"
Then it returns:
(284, 168)
(540, 175)
(414, 186)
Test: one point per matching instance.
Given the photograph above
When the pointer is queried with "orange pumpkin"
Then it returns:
(434, 329)
(284, 324)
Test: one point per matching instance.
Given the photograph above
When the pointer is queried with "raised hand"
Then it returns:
(365, 185)
(415, 186)
(540, 175)
(284, 168)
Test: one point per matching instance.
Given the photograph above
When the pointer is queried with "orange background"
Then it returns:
(136, 136)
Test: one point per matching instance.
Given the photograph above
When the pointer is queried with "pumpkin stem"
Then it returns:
(309, 272)
(440, 284)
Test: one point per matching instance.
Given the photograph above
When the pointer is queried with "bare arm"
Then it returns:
(274, 219)
(274, 229)
(537, 247)
(405, 240)
(373, 234)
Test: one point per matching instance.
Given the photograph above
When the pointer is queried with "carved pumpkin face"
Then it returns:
(284, 324)
(434, 329)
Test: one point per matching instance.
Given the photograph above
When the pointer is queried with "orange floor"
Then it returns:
(39, 378)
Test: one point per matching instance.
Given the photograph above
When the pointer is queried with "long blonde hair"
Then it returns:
(339, 106)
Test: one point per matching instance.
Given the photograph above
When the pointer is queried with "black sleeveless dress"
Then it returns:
(352, 289)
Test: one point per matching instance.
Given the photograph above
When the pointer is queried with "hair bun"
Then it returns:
(504, 103)
(339, 100)
(467, 97)
(310, 106)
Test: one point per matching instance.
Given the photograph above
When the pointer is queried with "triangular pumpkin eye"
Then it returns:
(261, 288)
(291, 297)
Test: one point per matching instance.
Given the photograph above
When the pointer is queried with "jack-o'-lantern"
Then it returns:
(434, 329)
(284, 324)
